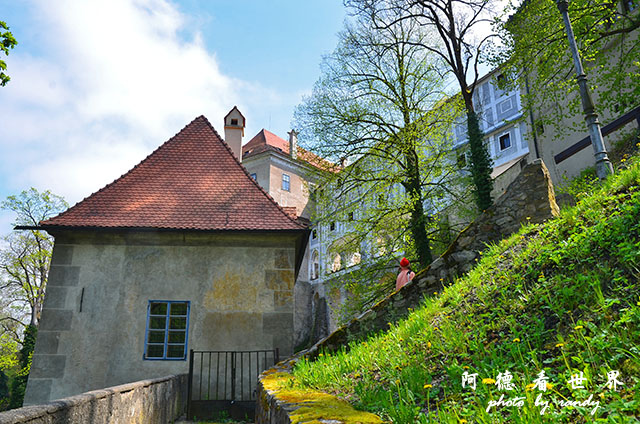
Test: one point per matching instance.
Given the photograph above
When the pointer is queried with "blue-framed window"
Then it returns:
(167, 330)
(286, 182)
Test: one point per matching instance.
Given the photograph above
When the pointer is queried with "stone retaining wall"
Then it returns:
(161, 400)
(279, 403)
(529, 198)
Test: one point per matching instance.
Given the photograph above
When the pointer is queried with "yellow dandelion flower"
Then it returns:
(623, 160)
(435, 293)
(427, 386)
(601, 395)
(465, 367)
(559, 344)
(529, 387)
(397, 382)
(488, 381)
(578, 327)
(517, 340)
(462, 421)
(429, 344)
(528, 218)
(549, 386)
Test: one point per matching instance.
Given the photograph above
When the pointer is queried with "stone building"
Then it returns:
(289, 173)
(185, 251)
(562, 140)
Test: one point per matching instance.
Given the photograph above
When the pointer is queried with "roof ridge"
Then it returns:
(255, 183)
(135, 167)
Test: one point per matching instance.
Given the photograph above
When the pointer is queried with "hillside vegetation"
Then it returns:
(561, 298)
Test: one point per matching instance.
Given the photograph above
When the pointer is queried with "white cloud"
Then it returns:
(117, 79)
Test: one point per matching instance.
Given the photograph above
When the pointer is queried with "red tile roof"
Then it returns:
(191, 182)
(266, 140)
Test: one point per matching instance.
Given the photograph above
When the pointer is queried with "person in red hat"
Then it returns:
(405, 275)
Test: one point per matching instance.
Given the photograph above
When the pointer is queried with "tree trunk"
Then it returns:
(417, 222)
(480, 159)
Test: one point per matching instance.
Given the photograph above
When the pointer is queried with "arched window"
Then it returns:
(355, 259)
(315, 265)
(336, 263)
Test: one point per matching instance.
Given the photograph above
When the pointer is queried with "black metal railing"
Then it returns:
(222, 378)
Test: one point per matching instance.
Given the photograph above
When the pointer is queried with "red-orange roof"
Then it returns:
(266, 140)
(191, 182)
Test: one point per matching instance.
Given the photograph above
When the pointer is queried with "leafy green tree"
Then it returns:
(378, 106)
(4, 391)
(19, 383)
(25, 256)
(7, 41)
(24, 266)
(536, 56)
(456, 41)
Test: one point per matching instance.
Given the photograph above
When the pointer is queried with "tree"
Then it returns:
(378, 106)
(607, 35)
(456, 41)
(4, 391)
(7, 41)
(24, 260)
(19, 383)
(24, 267)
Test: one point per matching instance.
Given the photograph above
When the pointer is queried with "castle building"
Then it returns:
(184, 251)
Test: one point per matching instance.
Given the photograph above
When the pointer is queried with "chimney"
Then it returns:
(293, 144)
(234, 124)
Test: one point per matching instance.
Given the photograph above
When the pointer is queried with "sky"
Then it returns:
(98, 85)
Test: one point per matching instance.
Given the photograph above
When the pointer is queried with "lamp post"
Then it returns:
(603, 165)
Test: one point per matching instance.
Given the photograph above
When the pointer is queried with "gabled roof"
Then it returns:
(191, 182)
(267, 141)
(237, 110)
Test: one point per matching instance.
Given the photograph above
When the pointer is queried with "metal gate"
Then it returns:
(224, 382)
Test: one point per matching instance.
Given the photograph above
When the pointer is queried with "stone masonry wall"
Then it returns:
(94, 321)
(160, 400)
(530, 198)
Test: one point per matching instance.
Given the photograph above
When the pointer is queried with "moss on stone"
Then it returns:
(311, 406)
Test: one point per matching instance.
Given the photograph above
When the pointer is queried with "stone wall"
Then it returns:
(160, 400)
(529, 198)
(279, 403)
(93, 327)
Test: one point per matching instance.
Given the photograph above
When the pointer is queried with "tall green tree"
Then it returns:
(536, 56)
(26, 254)
(19, 383)
(377, 110)
(457, 39)
(7, 41)
(24, 266)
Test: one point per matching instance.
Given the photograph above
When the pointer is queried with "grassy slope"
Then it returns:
(563, 298)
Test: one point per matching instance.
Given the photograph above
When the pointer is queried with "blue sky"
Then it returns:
(98, 85)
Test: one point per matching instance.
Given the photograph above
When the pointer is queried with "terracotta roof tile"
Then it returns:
(193, 181)
(266, 140)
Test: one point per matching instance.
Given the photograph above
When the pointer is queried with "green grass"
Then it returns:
(562, 298)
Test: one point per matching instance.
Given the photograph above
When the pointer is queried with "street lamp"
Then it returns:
(603, 165)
